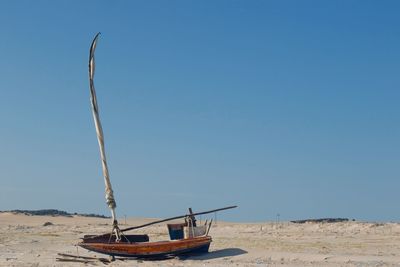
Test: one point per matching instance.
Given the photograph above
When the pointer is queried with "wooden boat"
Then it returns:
(129, 247)
(186, 237)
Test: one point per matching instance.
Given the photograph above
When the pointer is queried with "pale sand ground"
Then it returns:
(24, 241)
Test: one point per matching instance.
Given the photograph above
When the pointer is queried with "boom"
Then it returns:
(176, 217)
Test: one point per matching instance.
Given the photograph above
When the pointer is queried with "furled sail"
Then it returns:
(100, 137)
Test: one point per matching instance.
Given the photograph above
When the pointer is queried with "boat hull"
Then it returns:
(158, 249)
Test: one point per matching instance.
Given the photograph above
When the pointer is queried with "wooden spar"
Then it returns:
(99, 131)
(83, 259)
(176, 217)
(166, 220)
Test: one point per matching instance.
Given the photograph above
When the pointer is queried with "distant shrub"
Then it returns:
(54, 212)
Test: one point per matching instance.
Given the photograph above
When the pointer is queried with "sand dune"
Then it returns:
(25, 241)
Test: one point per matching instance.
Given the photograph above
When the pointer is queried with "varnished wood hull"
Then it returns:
(151, 249)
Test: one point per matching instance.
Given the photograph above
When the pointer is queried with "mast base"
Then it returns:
(116, 231)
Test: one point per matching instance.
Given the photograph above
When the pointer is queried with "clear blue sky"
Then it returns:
(288, 107)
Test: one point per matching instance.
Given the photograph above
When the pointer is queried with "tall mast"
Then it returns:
(100, 137)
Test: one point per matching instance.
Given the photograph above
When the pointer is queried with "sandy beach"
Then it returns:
(25, 241)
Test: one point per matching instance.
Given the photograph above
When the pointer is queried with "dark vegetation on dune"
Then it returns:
(323, 220)
(54, 212)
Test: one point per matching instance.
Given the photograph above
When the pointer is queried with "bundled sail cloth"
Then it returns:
(100, 137)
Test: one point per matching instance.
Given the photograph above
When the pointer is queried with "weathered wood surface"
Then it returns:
(76, 258)
(108, 238)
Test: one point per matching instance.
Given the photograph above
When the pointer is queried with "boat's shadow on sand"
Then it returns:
(221, 253)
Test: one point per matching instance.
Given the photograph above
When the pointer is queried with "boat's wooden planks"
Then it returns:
(148, 249)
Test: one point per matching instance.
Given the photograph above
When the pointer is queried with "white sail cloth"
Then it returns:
(100, 137)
